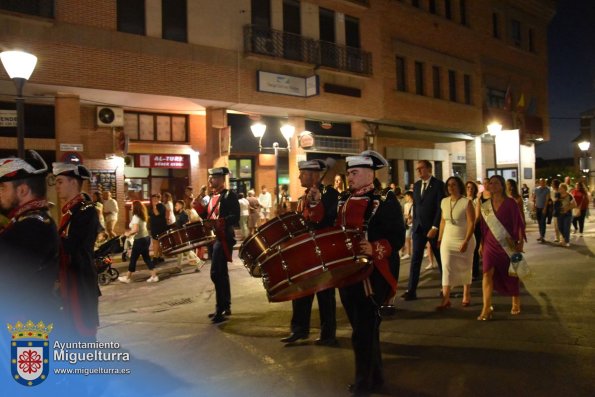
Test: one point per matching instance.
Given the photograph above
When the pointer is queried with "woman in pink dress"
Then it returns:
(495, 259)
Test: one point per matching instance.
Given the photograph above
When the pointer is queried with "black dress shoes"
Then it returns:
(224, 313)
(327, 342)
(294, 337)
(409, 296)
(219, 318)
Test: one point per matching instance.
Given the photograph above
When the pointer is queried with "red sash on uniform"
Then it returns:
(16, 213)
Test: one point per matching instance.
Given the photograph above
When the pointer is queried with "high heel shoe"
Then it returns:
(466, 303)
(486, 317)
(515, 311)
(443, 306)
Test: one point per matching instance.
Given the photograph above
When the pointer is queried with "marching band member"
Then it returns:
(28, 275)
(319, 207)
(380, 218)
(78, 231)
(224, 207)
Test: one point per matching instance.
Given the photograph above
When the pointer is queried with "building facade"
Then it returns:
(150, 94)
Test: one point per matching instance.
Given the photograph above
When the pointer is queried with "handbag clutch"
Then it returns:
(576, 212)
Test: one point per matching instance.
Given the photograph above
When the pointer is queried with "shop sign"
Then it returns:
(306, 140)
(163, 160)
(8, 118)
(71, 147)
(287, 85)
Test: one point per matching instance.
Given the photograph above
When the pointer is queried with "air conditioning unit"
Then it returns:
(110, 117)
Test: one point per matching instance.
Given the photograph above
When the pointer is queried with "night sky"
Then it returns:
(571, 42)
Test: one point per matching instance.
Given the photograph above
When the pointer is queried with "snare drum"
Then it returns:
(325, 258)
(186, 238)
(268, 236)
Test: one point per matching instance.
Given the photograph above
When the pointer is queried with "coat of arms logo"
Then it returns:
(29, 348)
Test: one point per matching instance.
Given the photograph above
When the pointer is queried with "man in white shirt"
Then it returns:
(244, 213)
(266, 202)
(110, 213)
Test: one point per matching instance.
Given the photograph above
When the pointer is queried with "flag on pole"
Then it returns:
(520, 106)
(508, 99)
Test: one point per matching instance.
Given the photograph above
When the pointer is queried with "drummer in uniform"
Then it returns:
(319, 207)
(224, 207)
(78, 230)
(28, 243)
(380, 218)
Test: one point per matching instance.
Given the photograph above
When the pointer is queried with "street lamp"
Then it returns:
(584, 160)
(493, 129)
(287, 130)
(19, 66)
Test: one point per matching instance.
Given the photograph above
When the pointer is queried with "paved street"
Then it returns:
(549, 350)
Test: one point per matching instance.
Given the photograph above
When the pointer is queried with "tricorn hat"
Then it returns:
(312, 165)
(219, 171)
(77, 171)
(14, 168)
(366, 159)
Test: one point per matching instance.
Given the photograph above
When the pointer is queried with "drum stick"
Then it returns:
(330, 163)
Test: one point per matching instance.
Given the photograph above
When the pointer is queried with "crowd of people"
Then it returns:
(469, 230)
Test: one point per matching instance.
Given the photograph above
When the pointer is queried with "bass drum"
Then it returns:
(325, 258)
(190, 236)
(268, 236)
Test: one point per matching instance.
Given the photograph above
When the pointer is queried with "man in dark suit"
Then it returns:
(428, 192)
(225, 209)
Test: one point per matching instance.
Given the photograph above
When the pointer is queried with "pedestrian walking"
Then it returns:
(140, 246)
(456, 241)
(157, 225)
(110, 213)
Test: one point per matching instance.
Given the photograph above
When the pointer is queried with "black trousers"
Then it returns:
(365, 319)
(220, 276)
(419, 240)
(327, 306)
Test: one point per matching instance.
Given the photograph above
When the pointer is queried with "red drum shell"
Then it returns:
(190, 236)
(325, 258)
(268, 236)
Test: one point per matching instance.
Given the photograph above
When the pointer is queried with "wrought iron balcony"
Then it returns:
(279, 44)
(337, 145)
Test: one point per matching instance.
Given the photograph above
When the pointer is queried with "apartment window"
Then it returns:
(432, 7)
(495, 25)
(155, 127)
(437, 87)
(448, 9)
(40, 8)
(131, 16)
(531, 39)
(292, 43)
(496, 98)
(452, 85)
(328, 50)
(463, 12)
(352, 32)
(515, 32)
(174, 20)
(467, 89)
(261, 13)
(419, 78)
(415, 3)
(401, 81)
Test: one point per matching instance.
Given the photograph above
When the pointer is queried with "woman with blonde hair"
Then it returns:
(142, 241)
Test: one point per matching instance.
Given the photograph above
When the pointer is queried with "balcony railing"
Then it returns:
(279, 44)
(337, 145)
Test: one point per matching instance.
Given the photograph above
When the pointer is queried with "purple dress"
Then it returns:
(494, 255)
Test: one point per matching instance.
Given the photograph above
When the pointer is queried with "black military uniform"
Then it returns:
(318, 216)
(381, 217)
(223, 206)
(78, 274)
(28, 252)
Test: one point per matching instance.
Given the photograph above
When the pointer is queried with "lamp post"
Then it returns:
(493, 129)
(584, 159)
(287, 130)
(19, 66)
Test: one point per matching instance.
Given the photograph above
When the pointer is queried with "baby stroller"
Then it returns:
(105, 272)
